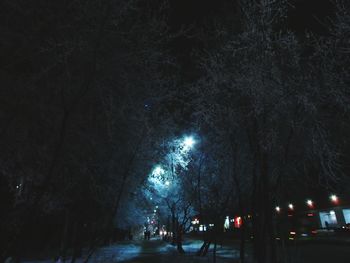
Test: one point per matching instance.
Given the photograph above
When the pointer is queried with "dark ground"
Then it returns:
(158, 251)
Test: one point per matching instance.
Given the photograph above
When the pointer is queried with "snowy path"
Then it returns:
(155, 251)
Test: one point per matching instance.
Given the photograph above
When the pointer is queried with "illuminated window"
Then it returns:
(346, 213)
(227, 223)
(328, 217)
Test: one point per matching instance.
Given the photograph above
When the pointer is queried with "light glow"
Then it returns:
(278, 209)
(188, 143)
(238, 222)
(291, 206)
(158, 171)
(310, 203)
(195, 221)
(227, 222)
(334, 199)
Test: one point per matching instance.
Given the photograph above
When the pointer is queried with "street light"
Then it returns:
(310, 203)
(278, 209)
(195, 221)
(334, 199)
(291, 206)
(158, 171)
(188, 143)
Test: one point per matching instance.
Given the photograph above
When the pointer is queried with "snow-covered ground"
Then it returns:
(154, 251)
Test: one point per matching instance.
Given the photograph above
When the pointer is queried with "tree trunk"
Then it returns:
(178, 236)
(206, 248)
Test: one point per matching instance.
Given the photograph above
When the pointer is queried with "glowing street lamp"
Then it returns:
(188, 143)
(158, 171)
(278, 209)
(291, 207)
(195, 221)
(334, 199)
(310, 203)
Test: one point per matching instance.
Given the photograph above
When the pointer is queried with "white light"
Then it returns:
(334, 198)
(158, 171)
(227, 223)
(167, 183)
(278, 209)
(188, 143)
(291, 206)
(154, 211)
(309, 202)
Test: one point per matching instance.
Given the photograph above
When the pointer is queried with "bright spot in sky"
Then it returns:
(167, 183)
(188, 143)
